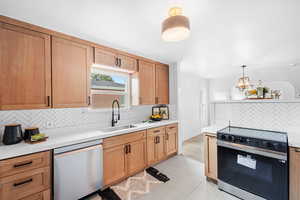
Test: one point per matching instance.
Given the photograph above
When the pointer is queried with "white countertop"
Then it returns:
(68, 136)
(293, 133)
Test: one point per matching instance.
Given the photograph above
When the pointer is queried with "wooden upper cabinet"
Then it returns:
(105, 57)
(146, 76)
(162, 84)
(71, 62)
(128, 63)
(25, 68)
(114, 59)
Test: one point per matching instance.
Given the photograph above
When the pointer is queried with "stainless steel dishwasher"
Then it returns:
(78, 170)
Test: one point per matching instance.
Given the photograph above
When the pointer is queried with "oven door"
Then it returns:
(258, 173)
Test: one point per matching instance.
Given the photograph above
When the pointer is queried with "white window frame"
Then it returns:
(111, 72)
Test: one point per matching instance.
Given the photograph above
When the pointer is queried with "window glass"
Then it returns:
(109, 85)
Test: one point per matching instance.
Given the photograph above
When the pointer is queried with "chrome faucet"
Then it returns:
(115, 120)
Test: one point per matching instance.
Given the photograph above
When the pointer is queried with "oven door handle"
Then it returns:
(254, 150)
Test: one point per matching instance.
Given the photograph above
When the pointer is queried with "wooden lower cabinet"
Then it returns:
(294, 173)
(171, 139)
(45, 195)
(125, 159)
(210, 156)
(114, 164)
(129, 154)
(26, 177)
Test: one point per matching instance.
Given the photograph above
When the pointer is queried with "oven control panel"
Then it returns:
(264, 144)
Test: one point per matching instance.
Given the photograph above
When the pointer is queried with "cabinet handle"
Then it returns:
(48, 101)
(129, 148)
(120, 62)
(156, 100)
(22, 164)
(117, 62)
(89, 100)
(22, 183)
(156, 131)
(125, 149)
(171, 127)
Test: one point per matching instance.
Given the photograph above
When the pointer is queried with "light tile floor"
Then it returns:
(187, 182)
(194, 148)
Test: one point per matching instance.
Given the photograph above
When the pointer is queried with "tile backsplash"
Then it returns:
(74, 117)
(271, 116)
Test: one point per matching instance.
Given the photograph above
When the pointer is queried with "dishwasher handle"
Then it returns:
(77, 147)
(78, 151)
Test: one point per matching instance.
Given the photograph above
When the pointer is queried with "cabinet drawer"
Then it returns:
(156, 131)
(123, 139)
(24, 184)
(45, 195)
(171, 128)
(24, 163)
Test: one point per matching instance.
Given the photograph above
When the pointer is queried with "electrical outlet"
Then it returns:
(49, 124)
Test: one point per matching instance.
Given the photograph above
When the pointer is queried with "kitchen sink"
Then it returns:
(118, 128)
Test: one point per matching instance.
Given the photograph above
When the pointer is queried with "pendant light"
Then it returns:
(243, 82)
(176, 27)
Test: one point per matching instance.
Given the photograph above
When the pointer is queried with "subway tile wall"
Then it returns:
(270, 116)
(75, 117)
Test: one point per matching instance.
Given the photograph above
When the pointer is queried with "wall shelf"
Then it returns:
(258, 101)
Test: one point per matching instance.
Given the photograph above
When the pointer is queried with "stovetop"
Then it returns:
(271, 140)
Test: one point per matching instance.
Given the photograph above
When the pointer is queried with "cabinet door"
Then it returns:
(128, 63)
(25, 184)
(105, 57)
(210, 151)
(146, 82)
(45, 195)
(160, 147)
(151, 146)
(136, 158)
(171, 142)
(114, 164)
(294, 173)
(71, 63)
(25, 68)
(162, 84)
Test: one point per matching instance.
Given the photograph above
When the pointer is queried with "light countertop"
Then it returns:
(293, 133)
(69, 136)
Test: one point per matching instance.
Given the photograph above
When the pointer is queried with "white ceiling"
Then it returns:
(225, 33)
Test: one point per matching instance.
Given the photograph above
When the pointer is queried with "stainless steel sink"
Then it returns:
(118, 128)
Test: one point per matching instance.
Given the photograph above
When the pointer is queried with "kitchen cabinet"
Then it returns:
(123, 156)
(171, 139)
(114, 59)
(26, 177)
(71, 62)
(155, 145)
(128, 63)
(25, 68)
(162, 84)
(146, 76)
(210, 156)
(105, 57)
(294, 173)
(115, 164)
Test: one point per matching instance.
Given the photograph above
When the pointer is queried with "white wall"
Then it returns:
(192, 101)
(285, 79)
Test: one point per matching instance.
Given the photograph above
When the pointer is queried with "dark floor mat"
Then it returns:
(109, 194)
(156, 174)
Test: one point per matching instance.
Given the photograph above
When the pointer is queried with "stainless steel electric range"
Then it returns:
(253, 164)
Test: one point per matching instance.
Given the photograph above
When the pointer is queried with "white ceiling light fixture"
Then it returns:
(176, 27)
